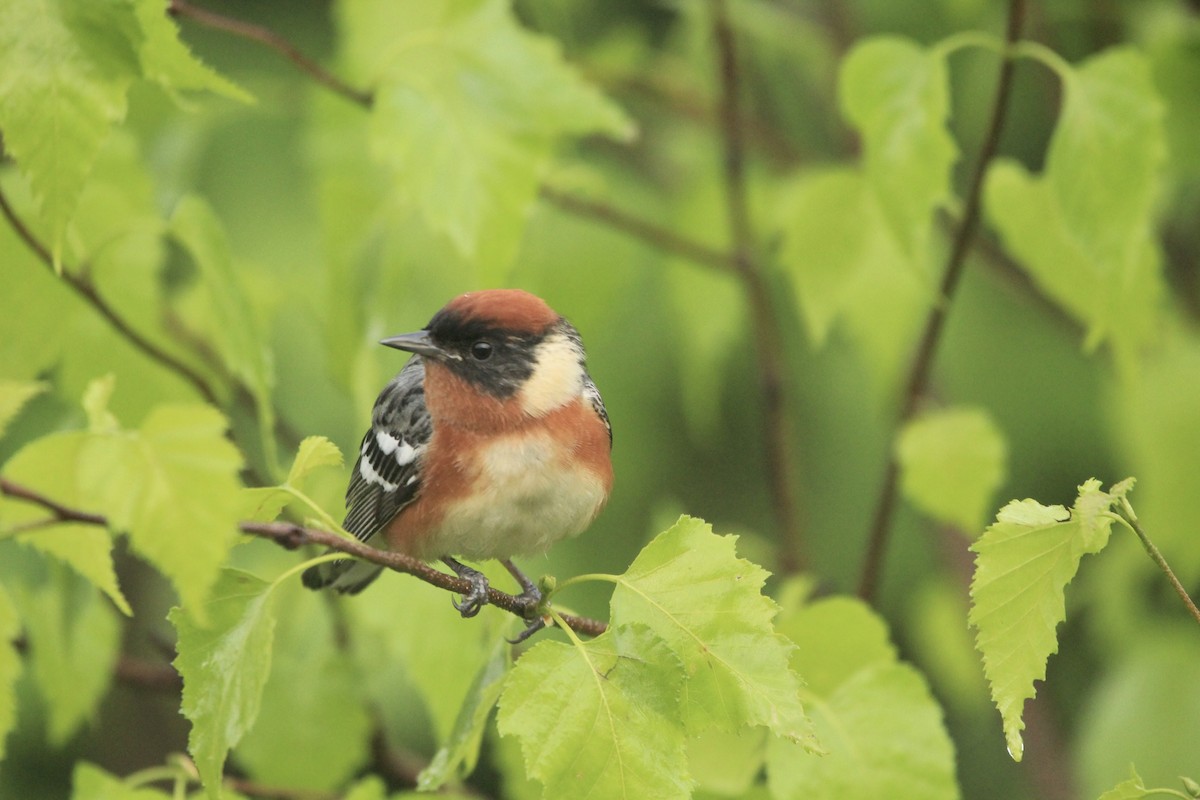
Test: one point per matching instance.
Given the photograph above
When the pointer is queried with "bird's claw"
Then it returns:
(535, 625)
(477, 597)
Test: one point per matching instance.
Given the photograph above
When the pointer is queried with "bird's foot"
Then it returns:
(477, 597)
(530, 598)
(535, 625)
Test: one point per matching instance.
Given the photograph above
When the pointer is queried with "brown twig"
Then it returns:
(782, 471)
(269, 38)
(922, 363)
(1125, 510)
(652, 234)
(292, 536)
(79, 283)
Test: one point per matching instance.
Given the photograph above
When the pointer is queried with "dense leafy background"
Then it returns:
(263, 231)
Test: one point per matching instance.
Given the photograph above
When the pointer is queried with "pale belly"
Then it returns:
(528, 500)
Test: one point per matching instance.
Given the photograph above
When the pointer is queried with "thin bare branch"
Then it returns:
(292, 536)
(781, 467)
(77, 280)
(922, 363)
(269, 38)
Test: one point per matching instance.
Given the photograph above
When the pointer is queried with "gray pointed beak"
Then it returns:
(418, 343)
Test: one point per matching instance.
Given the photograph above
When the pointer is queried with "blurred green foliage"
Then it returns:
(267, 245)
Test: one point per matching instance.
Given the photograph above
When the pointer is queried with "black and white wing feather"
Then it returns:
(386, 477)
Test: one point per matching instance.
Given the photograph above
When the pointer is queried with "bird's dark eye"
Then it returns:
(481, 351)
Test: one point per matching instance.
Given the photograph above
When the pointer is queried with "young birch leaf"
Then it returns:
(599, 718)
(172, 486)
(50, 465)
(1023, 563)
(951, 462)
(89, 782)
(10, 667)
(13, 397)
(881, 728)
(691, 589)
(897, 94)
(224, 666)
(456, 757)
(469, 107)
(1131, 788)
(168, 62)
(265, 503)
(65, 68)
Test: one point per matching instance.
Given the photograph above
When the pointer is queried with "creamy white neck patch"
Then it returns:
(557, 377)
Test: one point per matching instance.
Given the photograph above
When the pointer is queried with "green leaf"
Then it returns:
(224, 668)
(172, 486)
(168, 61)
(89, 782)
(10, 666)
(884, 737)
(314, 452)
(599, 718)
(49, 466)
(72, 636)
(1131, 789)
(469, 107)
(231, 322)
(457, 756)
(882, 730)
(1024, 562)
(952, 461)
(13, 397)
(897, 94)
(691, 589)
(65, 67)
(1086, 236)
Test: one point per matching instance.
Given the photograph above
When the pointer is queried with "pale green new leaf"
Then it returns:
(49, 465)
(172, 486)
(224, 666)
(881, 729)
(469, 107)
(72, 635)
(951, 463)
(457, 756)
(265, 503)
(897, 95)
(884, 737)
(10, 667)
(89, 782)
(599, 718)
(690, 588)
(1130, 789)
(1111, 115)
(65, 67)
(168, 61)
(1024, 561)
(13, 397)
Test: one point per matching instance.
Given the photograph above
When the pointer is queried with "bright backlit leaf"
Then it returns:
(1086, 235)
(89, 782)
(469, 107)
(599, 718)
(1130, 789)
(880, 727)
(951, 463)
(65, 67)
(691, 589)
(168, 61)
(898, 96)
(1023, 563)
(224, 665)
(49, 466)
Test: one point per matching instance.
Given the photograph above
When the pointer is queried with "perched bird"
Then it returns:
(491, 442)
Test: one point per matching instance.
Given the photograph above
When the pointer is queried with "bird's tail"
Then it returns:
(346, 575)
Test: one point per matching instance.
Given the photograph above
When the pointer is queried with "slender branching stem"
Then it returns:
(292, 536)
(922, 363)
(1125, 511)
(782, 470)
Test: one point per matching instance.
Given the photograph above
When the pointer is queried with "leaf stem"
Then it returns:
(780, 464)
(922, 363)
(1125, 513)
